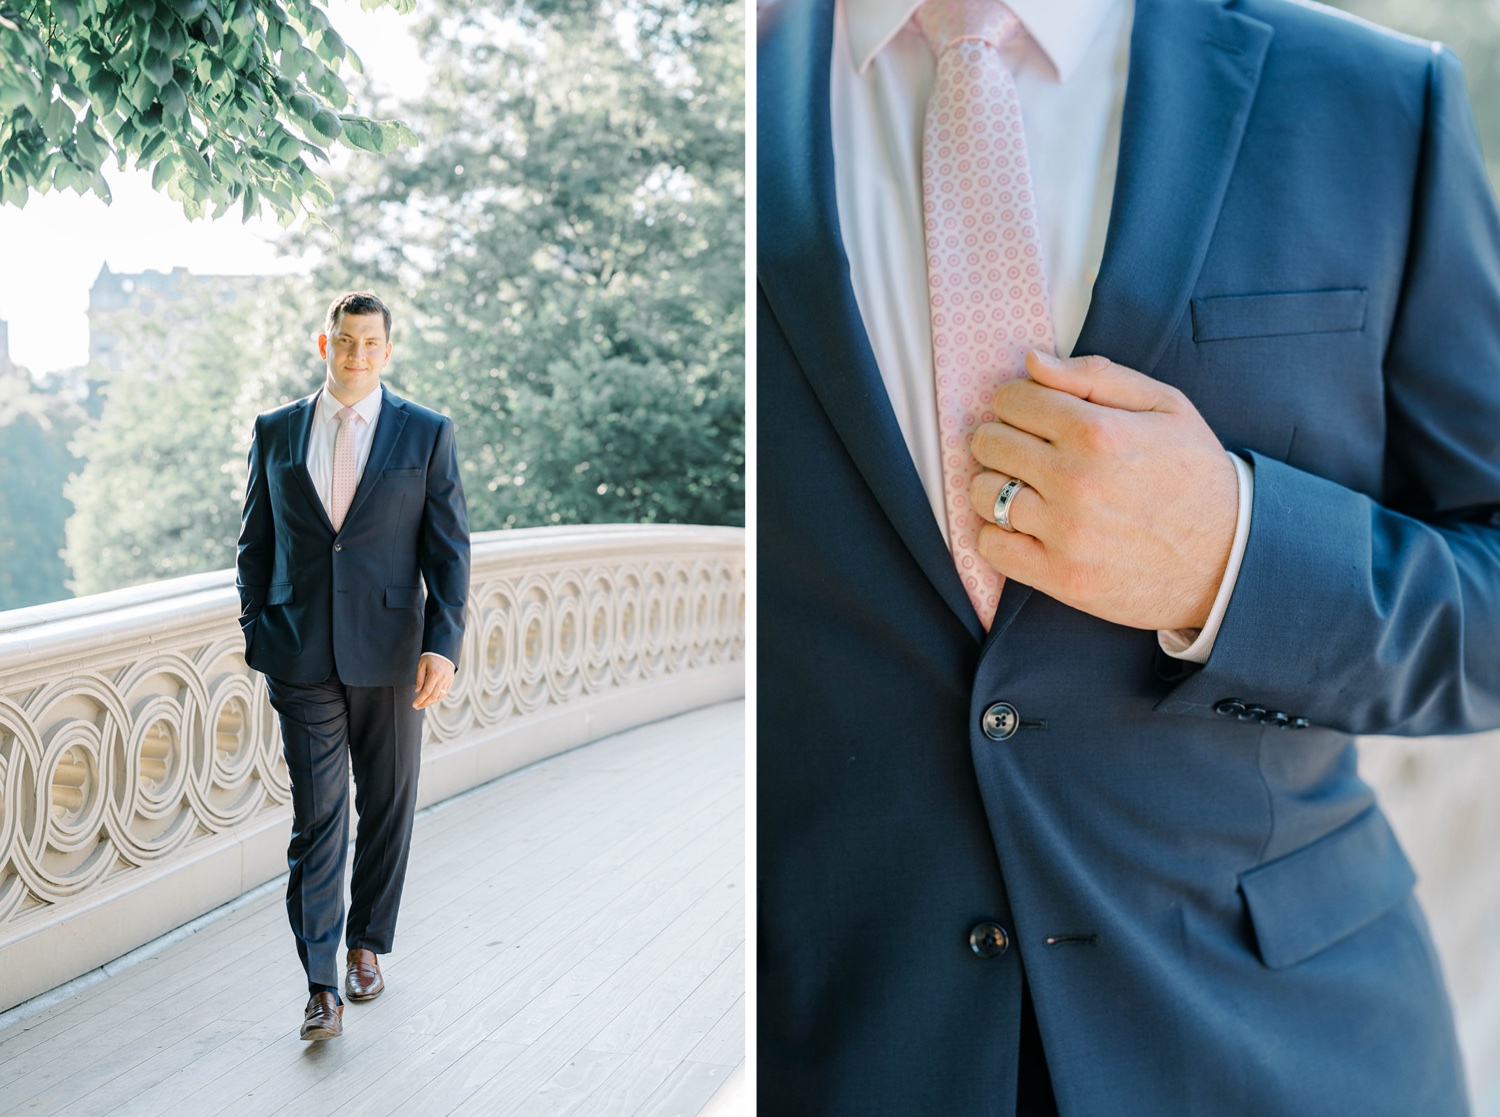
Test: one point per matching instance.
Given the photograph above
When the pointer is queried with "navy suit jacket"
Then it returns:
(1212, 915)
(313, 599)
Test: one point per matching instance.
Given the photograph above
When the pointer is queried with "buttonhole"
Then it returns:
(1032, 723)
(1088, 939)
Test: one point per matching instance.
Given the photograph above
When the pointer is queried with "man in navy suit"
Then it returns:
(353, 505)
(1048, 867)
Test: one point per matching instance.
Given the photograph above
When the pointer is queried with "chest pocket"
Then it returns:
(1302, 312)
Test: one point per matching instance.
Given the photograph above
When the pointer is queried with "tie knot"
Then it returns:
(945, 22)
(345, 414)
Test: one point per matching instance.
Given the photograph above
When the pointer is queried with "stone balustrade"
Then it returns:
(141, 778)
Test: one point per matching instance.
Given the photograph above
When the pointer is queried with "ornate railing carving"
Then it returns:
(141, 780)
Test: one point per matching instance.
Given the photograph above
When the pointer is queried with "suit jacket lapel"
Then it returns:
(1194, 69)
(804, 274)
(387, 432)
(299, 428)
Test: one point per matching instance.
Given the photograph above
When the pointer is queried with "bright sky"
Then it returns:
(51, 250)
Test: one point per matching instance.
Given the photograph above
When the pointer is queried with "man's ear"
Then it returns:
(323, 346)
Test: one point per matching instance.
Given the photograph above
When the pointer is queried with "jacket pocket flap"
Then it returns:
(403, 597)
(1302, 312)
(403, 472)
(1315, 896)
(279, 593)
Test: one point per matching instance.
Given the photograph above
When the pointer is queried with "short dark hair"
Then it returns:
(356, 302)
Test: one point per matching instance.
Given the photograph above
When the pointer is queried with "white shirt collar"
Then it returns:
(366, 409)
(1062, 28)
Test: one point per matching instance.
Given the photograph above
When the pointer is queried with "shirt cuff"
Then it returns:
(1195, 644)
(453, 665)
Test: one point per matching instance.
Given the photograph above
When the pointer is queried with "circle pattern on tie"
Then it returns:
(345, 472)
(986, 282)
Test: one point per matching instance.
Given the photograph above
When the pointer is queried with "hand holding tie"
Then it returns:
(1130, 501)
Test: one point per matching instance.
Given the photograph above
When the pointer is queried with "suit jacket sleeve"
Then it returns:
(444, 558)
(1384, 616)
(256, 550)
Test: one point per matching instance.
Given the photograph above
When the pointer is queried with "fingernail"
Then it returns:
(1046, 360)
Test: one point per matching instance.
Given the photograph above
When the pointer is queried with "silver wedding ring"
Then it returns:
(1004, 500)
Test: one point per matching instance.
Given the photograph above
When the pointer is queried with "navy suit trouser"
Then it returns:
(326, 728)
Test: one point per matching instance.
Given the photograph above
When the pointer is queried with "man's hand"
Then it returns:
(434, 680)
(1131, 503)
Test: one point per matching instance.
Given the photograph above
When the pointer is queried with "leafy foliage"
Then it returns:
(161, 493)
(34, 465)
(564, 257)
(566, 249)
(225, 100)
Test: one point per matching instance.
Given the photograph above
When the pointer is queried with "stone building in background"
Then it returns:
(8, 368)
(120, 302)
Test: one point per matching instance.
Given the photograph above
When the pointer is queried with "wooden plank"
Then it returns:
(594, 896)
(645, 1014)
(725, 1041)
(565, 1039)
(685, 1092)
(659, 1057)
(564, 1093)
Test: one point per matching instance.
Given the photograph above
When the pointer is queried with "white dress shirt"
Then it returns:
(1070, 61)
(325, 430)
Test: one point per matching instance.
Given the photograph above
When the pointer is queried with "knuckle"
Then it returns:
(1175, 397)
(978, 489)
(984, 544)
(980, 442)
(1064, 536)
(1096, 434)
(1077, 580)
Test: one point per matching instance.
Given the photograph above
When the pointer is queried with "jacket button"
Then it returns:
(1229, 707)
(1000, 721)
(1278, 719)
(1300, 723)
(1252, 713)
(988, 940)
(338, 546)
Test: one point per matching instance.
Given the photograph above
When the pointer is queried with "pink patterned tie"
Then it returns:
(986, 282)
(341, 495)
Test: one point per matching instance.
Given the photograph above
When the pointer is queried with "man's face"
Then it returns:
(356, 353)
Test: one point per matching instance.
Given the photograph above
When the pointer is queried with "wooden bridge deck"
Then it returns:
(572, 941)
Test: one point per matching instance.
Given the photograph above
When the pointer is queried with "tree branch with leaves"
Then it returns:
(226, 101)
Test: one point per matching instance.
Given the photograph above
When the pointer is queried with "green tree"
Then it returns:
(225, 100)
(565, 251)
(34, 466)
(565, 265)
(164, 483)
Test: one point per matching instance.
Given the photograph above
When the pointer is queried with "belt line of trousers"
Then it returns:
(328, 728)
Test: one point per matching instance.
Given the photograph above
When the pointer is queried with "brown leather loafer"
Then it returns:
(362, 981)
(323, 1018)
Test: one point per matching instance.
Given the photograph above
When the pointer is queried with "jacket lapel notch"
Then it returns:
(804, 278)
(1194, 70)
